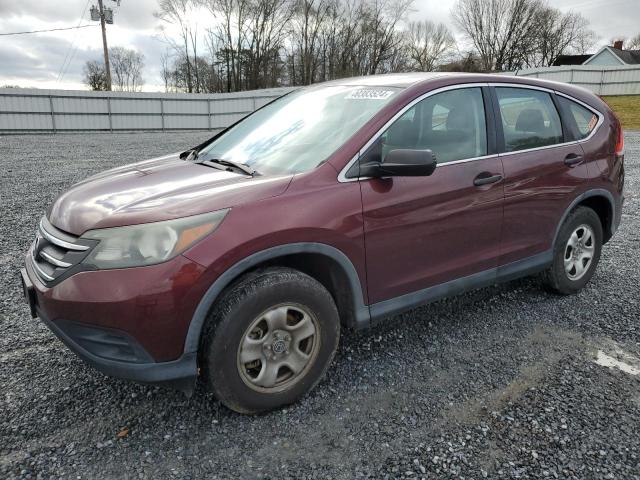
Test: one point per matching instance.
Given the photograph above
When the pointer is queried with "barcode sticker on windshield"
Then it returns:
(593, 122)
(369, 94)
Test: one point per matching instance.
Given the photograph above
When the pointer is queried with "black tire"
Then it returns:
(238, 308)
(556, 278)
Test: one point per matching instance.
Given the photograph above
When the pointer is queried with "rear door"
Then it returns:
(543, 169)
(424, 231)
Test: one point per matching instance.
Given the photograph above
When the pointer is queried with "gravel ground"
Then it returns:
(501, 382)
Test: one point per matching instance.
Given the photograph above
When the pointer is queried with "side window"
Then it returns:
(529, 118)
(585, 120)
(451, 124)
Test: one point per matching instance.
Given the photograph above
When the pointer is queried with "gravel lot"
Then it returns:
(501, 382)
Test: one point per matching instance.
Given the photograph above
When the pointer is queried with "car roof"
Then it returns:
(405, 80)
(401, 80)
(421, 80)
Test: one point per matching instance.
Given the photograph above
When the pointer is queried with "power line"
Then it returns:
(71, 51)
(49, 30)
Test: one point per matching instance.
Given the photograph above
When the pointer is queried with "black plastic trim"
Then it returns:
(179, 374)
(596, 192)
(68, 272)
(361, 312)
(497, 115)
(105, 343)
(568, 119)
(485, 278)
(490, 121)
(566, 133)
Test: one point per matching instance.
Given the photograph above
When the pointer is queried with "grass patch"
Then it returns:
(627, 108)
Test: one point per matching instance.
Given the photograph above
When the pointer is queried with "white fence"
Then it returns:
(601, 81)
(33, 110)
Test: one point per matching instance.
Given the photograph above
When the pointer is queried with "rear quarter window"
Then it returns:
(584, 120)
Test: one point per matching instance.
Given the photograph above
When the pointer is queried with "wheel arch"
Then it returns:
(599, 200)
(325, 263)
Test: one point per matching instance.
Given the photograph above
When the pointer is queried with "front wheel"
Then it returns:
(576, 253)
(269, 340)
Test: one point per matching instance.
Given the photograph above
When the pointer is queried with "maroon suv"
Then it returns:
(337, 204)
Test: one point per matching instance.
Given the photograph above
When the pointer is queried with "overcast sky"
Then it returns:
(55, 59)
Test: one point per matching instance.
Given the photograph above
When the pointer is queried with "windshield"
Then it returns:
(299, 131)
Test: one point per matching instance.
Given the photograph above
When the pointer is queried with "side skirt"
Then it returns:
(504, 273)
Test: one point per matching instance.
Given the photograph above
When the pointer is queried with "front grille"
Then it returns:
(55, 253)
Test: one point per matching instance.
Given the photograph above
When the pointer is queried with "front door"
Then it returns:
(424, 231)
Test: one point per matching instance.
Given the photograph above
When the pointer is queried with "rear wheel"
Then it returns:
(270, 339)
(576, 253)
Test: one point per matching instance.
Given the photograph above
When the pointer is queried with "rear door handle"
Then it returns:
(484, 180)
(572, 159)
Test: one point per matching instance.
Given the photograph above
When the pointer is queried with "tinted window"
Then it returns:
(585, 120)
(451, 124)
(529, 118)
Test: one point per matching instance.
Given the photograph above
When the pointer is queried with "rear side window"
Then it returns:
(584, 120)
(529, 118)
(451, 124)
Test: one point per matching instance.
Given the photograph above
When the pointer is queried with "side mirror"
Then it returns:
(401, 163)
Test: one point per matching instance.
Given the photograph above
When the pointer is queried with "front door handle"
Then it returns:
(486, 180)
(572, 159)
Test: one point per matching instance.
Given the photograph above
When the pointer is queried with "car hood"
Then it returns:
(158, 189)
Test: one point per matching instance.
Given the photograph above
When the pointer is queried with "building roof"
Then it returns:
(630, 57)
(571, 59)
(626, 57)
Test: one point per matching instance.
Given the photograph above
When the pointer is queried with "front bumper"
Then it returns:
(129, 324)
(180, 374)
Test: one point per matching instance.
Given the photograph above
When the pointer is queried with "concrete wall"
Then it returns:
(34, 110)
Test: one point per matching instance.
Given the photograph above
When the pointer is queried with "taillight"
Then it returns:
(620, 141)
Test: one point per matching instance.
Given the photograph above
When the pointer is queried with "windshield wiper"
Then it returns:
(230, 163)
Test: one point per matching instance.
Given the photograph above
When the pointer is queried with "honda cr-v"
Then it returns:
(339, 204)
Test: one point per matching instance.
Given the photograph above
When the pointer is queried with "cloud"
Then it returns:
(37, 59)
(135, 14)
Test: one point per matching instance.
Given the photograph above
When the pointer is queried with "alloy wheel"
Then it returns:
(579, 252)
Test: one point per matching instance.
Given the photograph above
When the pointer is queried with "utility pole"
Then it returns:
(107, 68)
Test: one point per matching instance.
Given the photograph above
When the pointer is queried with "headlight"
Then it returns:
(149, 243)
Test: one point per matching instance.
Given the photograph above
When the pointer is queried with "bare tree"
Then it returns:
(501, 31)
(309, 19)
(634, 43)
(586, 42)
(266, 43)
(165, 72)
(428, 43)
(126, 69)
(468, 62)
(557, 33)
(95, 76)
(268, 28)
(380, 30)
(178, 13)
(231, 33)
